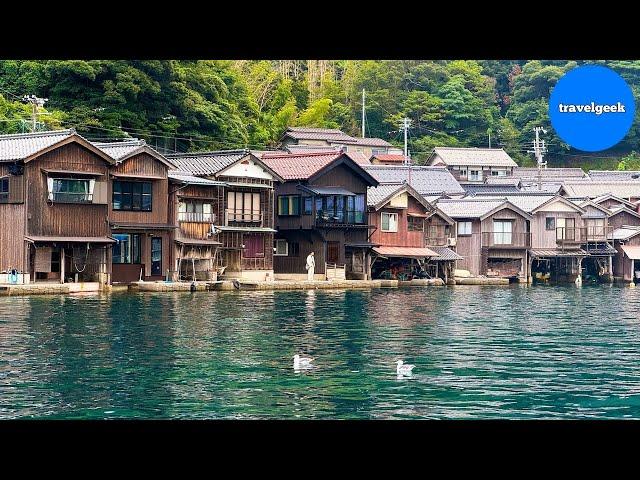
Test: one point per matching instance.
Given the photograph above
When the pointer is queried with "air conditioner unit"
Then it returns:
(451, 242)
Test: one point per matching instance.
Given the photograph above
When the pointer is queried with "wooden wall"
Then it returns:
(622, 265)
(469, 247)
(543, 238)
(623, 218)
(62, 219)
(403, 237)
(12, 219)
(142, 165)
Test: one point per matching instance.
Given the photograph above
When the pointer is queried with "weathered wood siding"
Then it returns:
(543, 238)
(12, 220)
(142, 165)
(623, 218)
(60, 219)
(403, 237)
(622, 265)
(469, 247)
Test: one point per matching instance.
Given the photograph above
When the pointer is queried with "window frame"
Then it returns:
(88, 194)
(130, 190)
(389, 216)
(280, 241)
(291, 202)
(464, 234)
(546, 224)
(134, 249)
(4, 194)
(308, 199)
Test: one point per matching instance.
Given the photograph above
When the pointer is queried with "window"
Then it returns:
(475, 175)
(389, 222)
(132, 196)
(502, 232)
(243, 207)
(308, 206)
(281, 248)
(288, 205)
(4, 189)
(294, 249)
(192, 211)
(127, 248)
(494, 173)
(378, 151)
(464, 228)
(596, 227)
(463, 172)
(340, 208)
(415, 224)
(70, 190)
(550, 223)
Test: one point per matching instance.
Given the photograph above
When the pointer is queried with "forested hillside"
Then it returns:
(210, 104)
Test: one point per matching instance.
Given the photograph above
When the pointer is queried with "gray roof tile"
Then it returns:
(495, 157)
(23, 145)
(426, 180)
(206, 163)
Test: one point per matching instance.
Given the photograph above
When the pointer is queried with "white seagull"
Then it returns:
(302, 363)
(403, 369)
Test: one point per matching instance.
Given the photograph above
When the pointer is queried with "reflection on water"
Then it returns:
(480, 352)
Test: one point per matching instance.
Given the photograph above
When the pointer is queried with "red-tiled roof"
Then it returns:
(299, 166)
(389, 157)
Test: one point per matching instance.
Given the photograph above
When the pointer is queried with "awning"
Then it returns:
(362, 245)
(631, 251)
(316, 190)
(136, 175)
(196, 241)
(445, 254)
(40, 239)
(419, 215)
(405, 252)
(142, 226)
(247, 229)
(550, 252)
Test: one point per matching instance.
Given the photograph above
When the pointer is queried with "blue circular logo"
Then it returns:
(591, 108)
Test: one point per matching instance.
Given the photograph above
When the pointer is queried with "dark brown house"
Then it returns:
(54, 208)
(138, 213)
(321, 208)
(245, 211)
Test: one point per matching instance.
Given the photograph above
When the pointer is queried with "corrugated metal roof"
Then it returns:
(426, 180)
(445, 254)
(632, 251)
(206, 163)
(552, 252)
(408, 252)
(23, 145)
(593, 189)
(299, 166)
(190, 179)
(468, 207)
(495, 157)
(597, 175)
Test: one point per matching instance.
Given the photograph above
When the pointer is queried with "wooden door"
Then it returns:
(333, 252)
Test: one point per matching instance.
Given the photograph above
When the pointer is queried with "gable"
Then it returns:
(246, 167)
(401, 200)
(558, 205)
(142, 164)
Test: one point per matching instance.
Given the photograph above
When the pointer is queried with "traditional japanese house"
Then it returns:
(611, 201)
(626, 189)
(138, 213)
(196, 205)
(412, 234)
(493, 236)
(427, 181)
(321, 208)
(245, 220)
(626, 263)
(54, 208)
(473, 164)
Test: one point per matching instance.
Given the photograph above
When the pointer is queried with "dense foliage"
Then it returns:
(210, 104)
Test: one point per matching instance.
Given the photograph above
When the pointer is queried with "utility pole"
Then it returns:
(539, 149)
(406, 123)
(35, 103)
(363, 116)
(489, 132)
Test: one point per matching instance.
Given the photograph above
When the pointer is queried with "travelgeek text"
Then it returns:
(592, 108)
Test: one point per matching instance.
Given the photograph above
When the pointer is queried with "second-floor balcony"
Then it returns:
(506, 239)
(242, 218)
(340, 218)
(197, 217)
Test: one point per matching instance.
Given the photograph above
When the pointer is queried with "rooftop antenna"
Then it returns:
(539, 149)
(35, 103)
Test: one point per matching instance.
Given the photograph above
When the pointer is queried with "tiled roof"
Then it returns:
(495, 157)
(359, 158)
(500, 180)
(369, 142)
(549, 174)
(299, 166)
(609, 196)
(595, 189)
(23, 145)
(122, 149)
(552, 252)
(389, 157)
(626, 232)
(329, 135)
(469, 208)
(379, 193)
(445, 254)
(206, 163)
(526, 202)
(623, 208)
(426, 180)
(548, 187)
(614, 175)
(486, 189)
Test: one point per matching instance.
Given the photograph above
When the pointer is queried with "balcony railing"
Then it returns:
(571, 235)
(68, 197)
(599, 233)
(196, 217)
(241, 218)
(345, 217)
(506, 239)
(439, 240)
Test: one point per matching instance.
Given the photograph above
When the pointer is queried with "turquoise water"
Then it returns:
(480, 352)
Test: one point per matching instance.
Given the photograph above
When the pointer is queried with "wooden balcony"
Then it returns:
(506, 239)
(196, 217)
(346, 218)
(237, 218)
